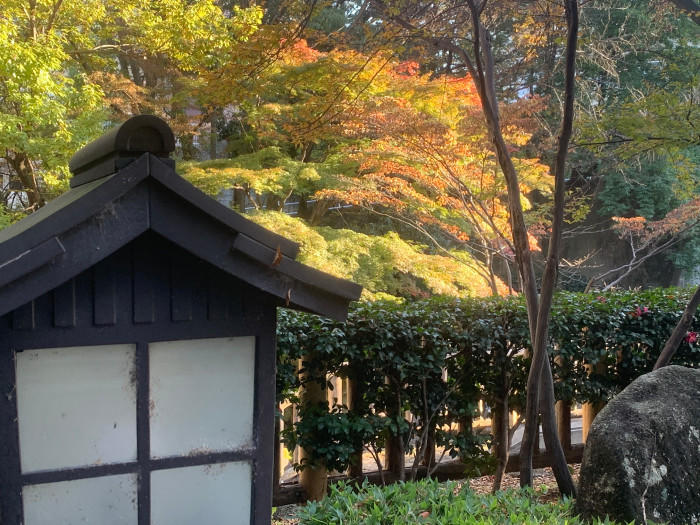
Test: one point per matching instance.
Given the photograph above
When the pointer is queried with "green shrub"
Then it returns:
(396, 353)
(431, 502)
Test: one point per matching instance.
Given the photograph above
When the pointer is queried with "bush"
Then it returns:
(397, 354)
(431, 502)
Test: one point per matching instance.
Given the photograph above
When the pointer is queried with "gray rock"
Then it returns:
(642, 456)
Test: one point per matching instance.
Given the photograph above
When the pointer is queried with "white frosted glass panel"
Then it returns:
(212, 494)
(109, 500)
(76, 406)
(201, 395)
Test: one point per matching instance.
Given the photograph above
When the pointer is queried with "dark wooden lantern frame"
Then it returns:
(133, 254)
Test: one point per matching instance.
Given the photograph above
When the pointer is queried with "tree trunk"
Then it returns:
(679, 331)
(465, 426)
(303, 210)
(395, 447)
(491, 273)
(428, 459)
(395, 456)
(540, 371)
(22, 166)
(481, 66)
(551, 436)
(318, 210)
(213, 138)
(500, 426)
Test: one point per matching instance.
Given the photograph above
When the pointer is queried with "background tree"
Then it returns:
(68, 68)
(424, 160)
(635, 149)
(479, 60)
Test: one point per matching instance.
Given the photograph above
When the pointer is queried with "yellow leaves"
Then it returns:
(516, 135)
(214, 177)
(196, 35)
(382, 264)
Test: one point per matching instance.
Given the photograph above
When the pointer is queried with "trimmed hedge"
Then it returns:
(397, 354)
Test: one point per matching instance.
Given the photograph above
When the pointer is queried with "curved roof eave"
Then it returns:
(38, 240)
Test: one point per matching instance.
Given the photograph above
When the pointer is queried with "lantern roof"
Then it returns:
(124, 184)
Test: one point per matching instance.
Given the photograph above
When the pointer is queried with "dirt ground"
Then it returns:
(543, 482)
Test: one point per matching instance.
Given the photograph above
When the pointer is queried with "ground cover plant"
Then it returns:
(432, 502)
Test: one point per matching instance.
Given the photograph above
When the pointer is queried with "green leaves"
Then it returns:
(431, 502)
(48, 109)
(266, 171)
(196, 35)
(447, 354)
(69, 68)
(382, 264)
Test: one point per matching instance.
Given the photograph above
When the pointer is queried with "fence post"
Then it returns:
(277, 472)
(394, 457)
(563, 413)
(428, 459)
(465, 425)
(590, 410)
(313, 479)
(353, 397)
(562, 409)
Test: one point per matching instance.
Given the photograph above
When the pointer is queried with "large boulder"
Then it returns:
(642, 456)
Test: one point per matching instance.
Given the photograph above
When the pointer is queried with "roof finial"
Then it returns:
(120, 146)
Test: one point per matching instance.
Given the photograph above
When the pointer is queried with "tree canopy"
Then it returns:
(339, 114)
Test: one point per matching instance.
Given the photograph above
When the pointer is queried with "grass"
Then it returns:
(432, 502)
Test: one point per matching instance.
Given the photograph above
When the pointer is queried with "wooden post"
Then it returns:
(590, 410)
(465, 426)
(313, 479)
(394, 456)
(513, 417)
(277, 472)
(287, 420)
(429, 458)
(538, 434)
(239, 200)
(563, 413)
(295, 419)
(353, 398)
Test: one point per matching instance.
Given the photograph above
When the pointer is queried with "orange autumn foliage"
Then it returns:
(424, 158)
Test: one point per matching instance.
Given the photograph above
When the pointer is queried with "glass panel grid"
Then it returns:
(201, 401)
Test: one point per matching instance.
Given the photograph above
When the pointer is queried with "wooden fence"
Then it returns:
(292, 487)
